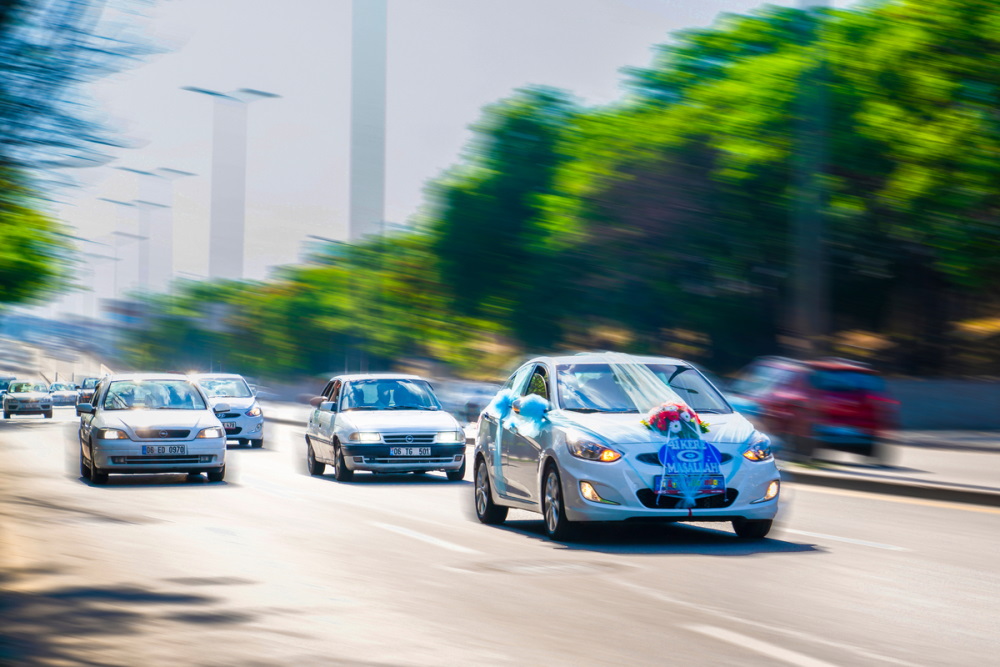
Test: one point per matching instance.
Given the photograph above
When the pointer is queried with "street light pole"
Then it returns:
(227, 230)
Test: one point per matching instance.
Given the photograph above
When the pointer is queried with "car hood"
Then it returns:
(27, 395)
(732, 429)
(401, 421)
(234, 402)
(130, 419)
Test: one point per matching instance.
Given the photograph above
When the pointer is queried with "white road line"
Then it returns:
(848, 540)
(764, 648)
(728, 617)
(425, 538)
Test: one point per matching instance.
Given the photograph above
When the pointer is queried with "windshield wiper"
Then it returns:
(411, 407)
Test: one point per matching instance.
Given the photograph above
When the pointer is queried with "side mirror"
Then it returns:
(82, 408)
(253, 389)
(516, 406)
(317, 401)
(221, 407)
(328, 406)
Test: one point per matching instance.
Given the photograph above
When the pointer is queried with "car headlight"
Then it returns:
(759, 449)
(110, 434)
(451, 436)
(362, 436)
(592, 451)
(255, 411)
(212, 432)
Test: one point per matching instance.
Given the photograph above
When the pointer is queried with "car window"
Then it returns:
(516, 381)
(592, 387)
(762, 380)
(389, 394)
(538, 384)
(226, 387)
(846, 380)
(19, 387)
(333, 394)
(153, 395)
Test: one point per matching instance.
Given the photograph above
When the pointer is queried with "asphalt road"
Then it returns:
(273, 567)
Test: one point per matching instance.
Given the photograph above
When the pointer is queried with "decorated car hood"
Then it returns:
(731, 429)
(158, 419)
(401, 421)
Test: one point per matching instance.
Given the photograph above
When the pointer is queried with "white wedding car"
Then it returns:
(590, 458)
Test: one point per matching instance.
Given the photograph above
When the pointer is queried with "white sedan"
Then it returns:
(607, 437)
(145, 423)
(27, 398)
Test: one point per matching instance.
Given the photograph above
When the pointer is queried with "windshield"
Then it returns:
(153, 395)
(59, 386)
(25, 387)
(228, 387)
(594, 388)
(829, 380)
(89, 383)
(389, 395)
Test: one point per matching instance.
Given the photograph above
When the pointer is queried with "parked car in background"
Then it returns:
(86, 392)
(382, 423)
(150, 423)
(27, 398)
(5, 381)
(64, 393)
(821, 404)
(244, 421)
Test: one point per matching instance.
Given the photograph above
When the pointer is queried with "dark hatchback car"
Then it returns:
(823, 404)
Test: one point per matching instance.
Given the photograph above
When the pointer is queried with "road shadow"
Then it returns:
(139, 481)
(679, 539)
(396, 479)
(67, 625)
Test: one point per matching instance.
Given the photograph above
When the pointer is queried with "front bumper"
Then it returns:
(28, 408)
(628, 482)
(243, 427)
(201, 454)
(64, 400)
(376, 458)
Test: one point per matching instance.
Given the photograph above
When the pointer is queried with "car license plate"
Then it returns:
(670, 485)
(409, 451)
(228, 425)
(153, 450)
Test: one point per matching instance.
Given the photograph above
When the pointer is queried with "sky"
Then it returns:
(446, 60)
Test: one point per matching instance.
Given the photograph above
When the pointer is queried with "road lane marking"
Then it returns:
(848, 540)
(762, 647)
(943, 504)
(429, 539)
(729, 618)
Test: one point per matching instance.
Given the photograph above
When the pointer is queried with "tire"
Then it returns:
(340, 470)
(752, 530)
(217, 475)
(314, 467)
(97, 476)
(487, 511)
(257, 444)
(457, 475)
(47, 415)
(6, 415)
(557, 526)
(84, 469)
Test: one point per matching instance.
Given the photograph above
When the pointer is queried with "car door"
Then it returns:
(325, 419)
(87, 419)
(312, 428)
(523, 446)
(496, 437)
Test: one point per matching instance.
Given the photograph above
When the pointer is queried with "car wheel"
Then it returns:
(557, 526)
(340, 471)
(487, 511)
(217, 475)
(6, 415)
(97, 476)
(457, 475)
(258, 443)
(315, 467)
(84, 469)
(751, 530)
(48, 415)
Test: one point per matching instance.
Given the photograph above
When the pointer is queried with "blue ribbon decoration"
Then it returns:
(533, 409)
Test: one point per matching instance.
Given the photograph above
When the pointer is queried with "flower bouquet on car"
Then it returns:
(691, 466)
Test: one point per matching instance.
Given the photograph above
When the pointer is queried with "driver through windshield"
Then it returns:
(384, 394)
(595, 388)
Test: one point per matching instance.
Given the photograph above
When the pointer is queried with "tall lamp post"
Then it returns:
(227, 231)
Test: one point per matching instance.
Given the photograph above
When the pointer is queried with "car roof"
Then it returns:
(825, 364)
(601, 358)
(377, 376)
(219, 376)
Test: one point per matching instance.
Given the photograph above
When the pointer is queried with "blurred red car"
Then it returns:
(823, 404)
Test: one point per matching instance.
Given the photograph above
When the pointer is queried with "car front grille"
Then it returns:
(159, 460)
(414, 438)
(717, 501)
(654, 458)
(234, 431)
(162, 433)
(228, 415)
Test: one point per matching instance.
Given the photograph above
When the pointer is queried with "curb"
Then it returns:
(928, 491)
